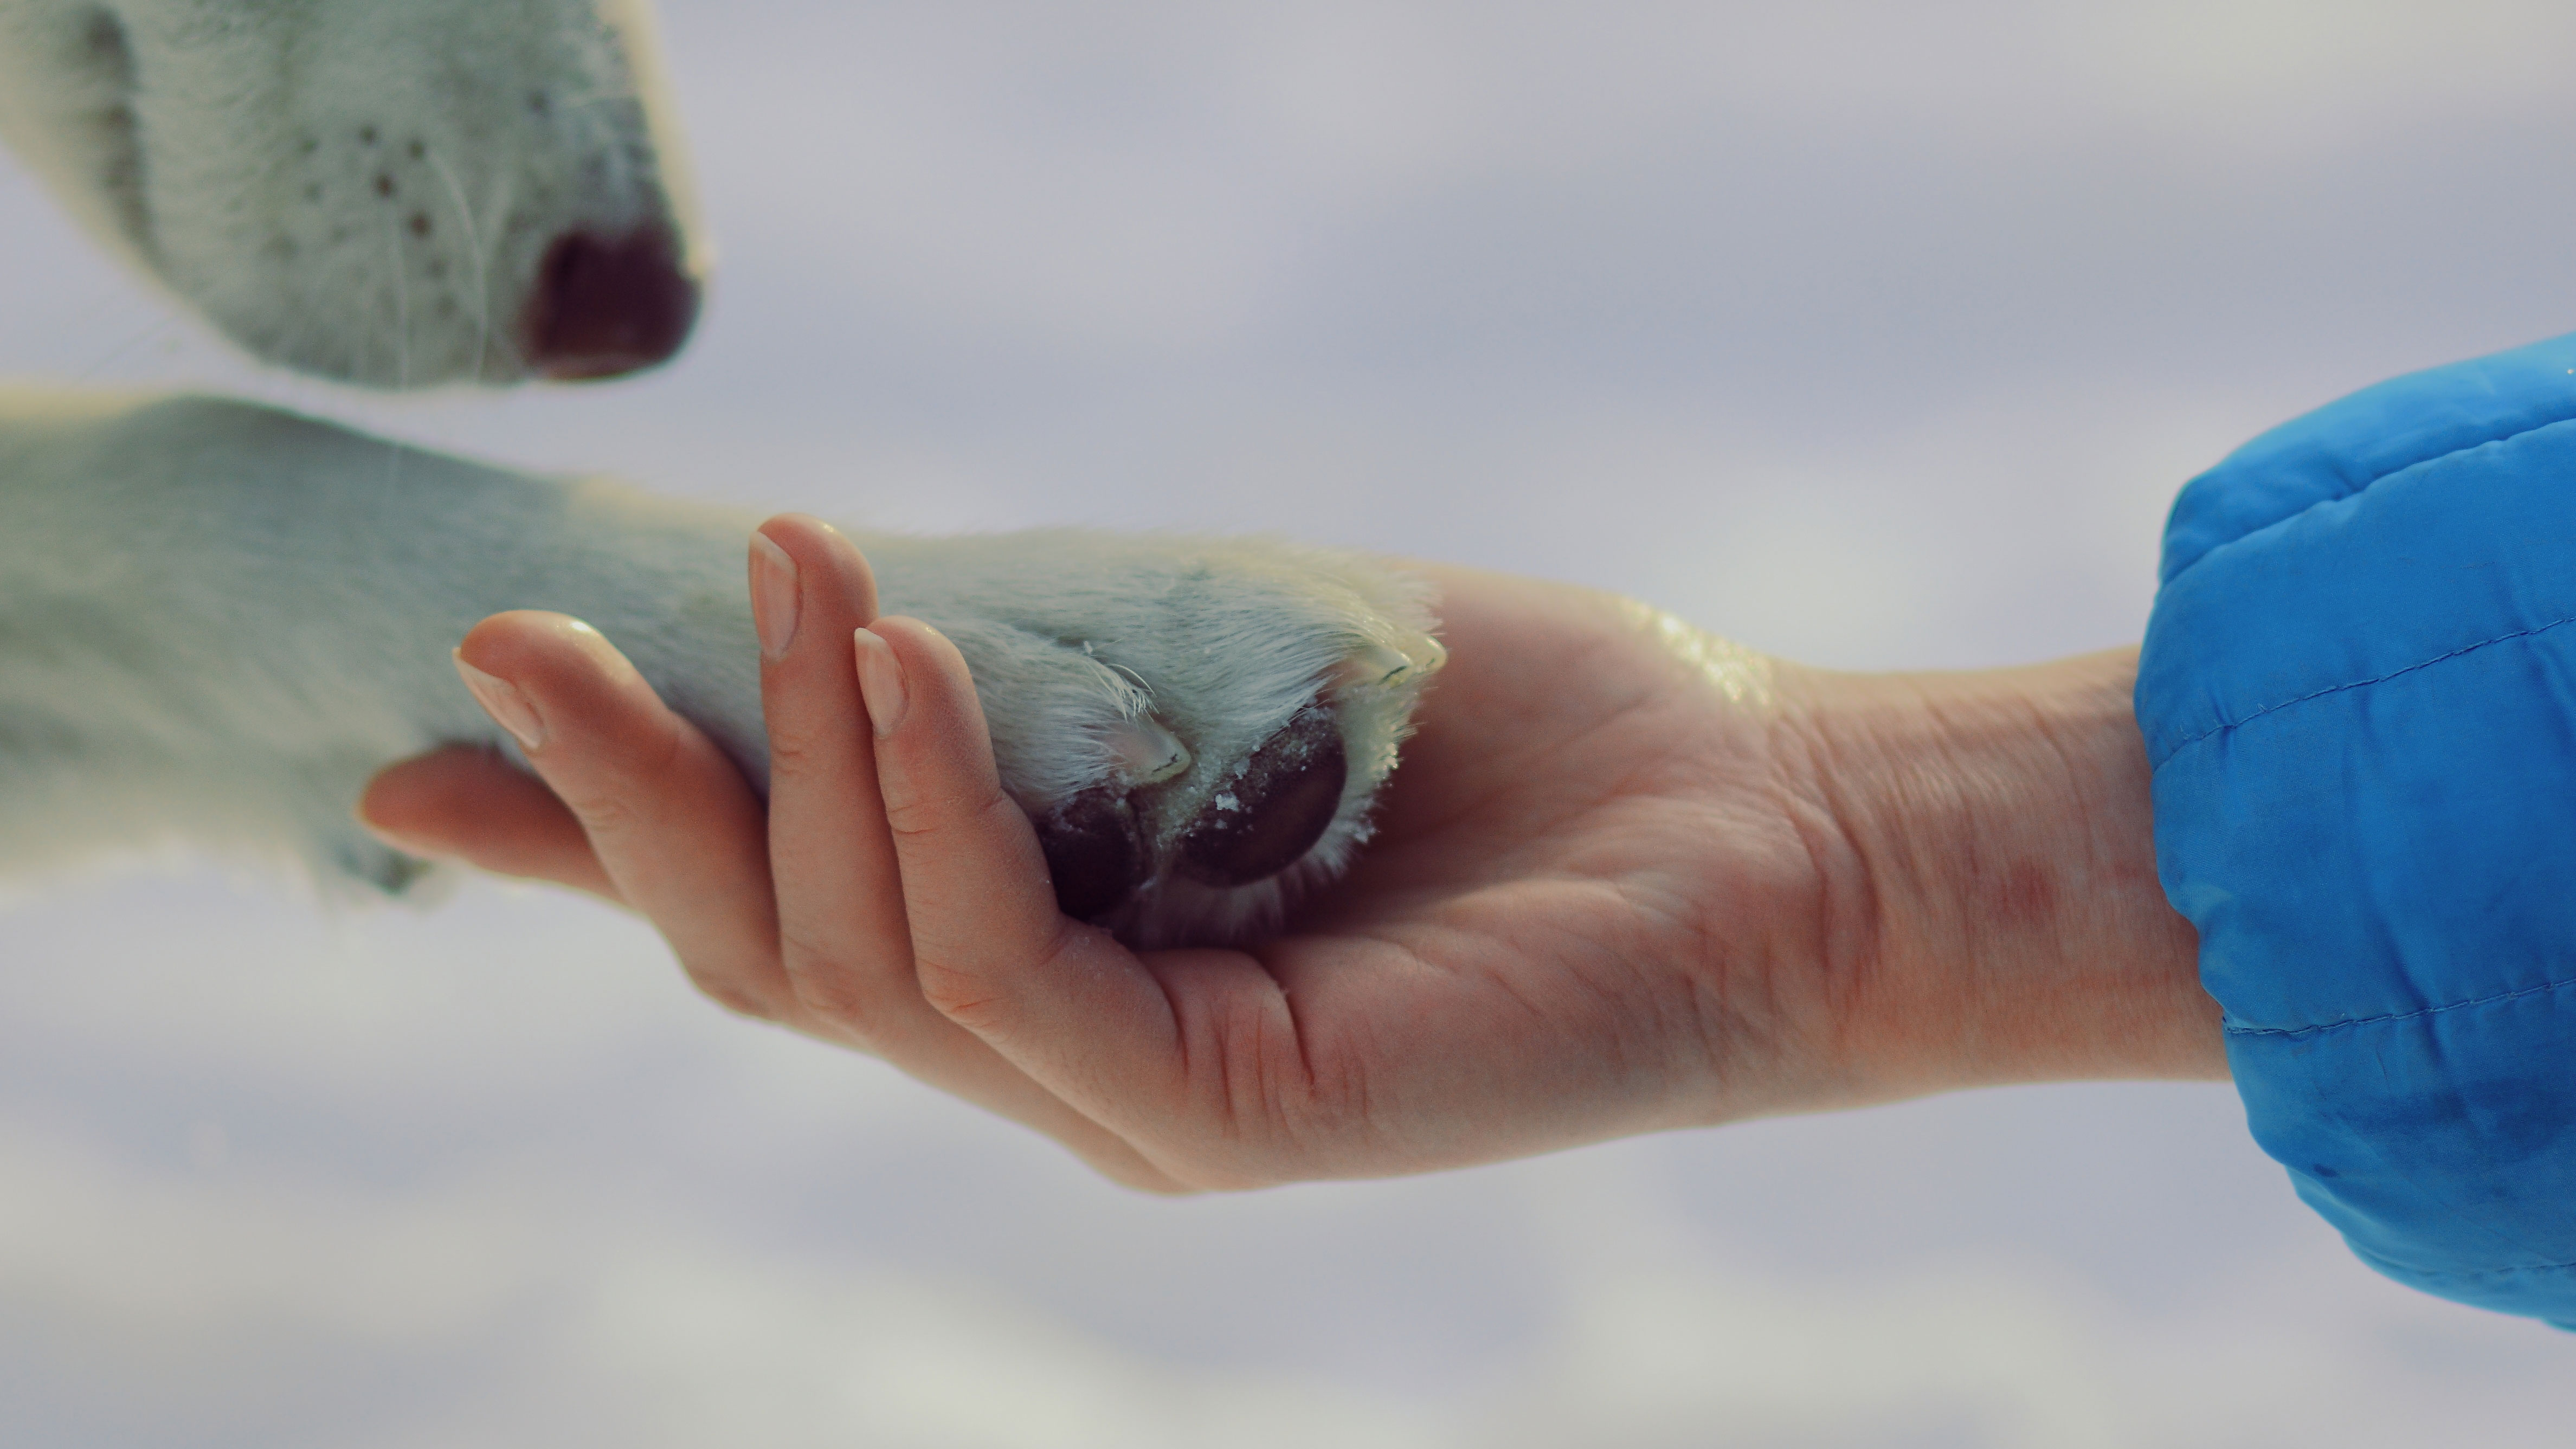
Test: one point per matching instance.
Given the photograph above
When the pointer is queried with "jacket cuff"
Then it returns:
(2358, 694)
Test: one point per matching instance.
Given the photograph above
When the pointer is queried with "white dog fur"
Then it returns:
(360, 189)
(217, 620)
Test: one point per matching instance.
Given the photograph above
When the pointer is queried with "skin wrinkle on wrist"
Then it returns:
(1999, 824)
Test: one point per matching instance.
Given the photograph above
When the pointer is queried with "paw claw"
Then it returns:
(1413, 656)
(1151, 753)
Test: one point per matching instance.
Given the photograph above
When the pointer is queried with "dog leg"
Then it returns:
(217, 621)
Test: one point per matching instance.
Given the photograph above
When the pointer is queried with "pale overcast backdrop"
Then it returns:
(1869, 334)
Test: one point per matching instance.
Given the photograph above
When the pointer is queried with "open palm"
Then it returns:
(1617, 887)
(1572, 923)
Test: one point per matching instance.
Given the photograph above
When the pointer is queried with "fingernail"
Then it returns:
(502, 700)
(773, 596)
(880, 682)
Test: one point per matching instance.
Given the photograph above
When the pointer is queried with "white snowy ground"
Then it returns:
(1873, 335)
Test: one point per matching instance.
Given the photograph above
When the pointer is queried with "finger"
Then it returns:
(470, 803)
(1064, 1002)
(677, 831)
(840, 905)
(843, 937)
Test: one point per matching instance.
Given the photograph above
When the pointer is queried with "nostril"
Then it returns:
(1274, 811)
(605, 305)
(1094, 853)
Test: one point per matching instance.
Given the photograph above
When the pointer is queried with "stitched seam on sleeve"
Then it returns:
(2455, 1275)
(2363, 487)
(2396, 1016)
(2224, 726)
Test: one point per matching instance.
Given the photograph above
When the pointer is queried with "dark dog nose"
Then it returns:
(608, 305)
(1094, 852)
(1271, 814)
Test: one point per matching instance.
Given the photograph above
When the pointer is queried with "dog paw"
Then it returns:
(1198, 729)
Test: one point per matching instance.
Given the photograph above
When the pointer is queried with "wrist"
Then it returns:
(1992, 912)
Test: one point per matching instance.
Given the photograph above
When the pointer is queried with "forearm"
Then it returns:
(1996, 914)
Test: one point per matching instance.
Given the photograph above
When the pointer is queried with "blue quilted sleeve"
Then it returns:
(2358, 694)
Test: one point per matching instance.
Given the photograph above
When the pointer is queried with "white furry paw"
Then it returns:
(1199, 729)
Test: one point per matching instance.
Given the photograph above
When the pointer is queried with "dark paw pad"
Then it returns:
(1094, 851)
(1274, 810)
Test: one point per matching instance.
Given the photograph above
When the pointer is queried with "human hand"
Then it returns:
(1628, 878)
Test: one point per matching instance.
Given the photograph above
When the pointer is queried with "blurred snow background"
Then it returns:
(1872, 334)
